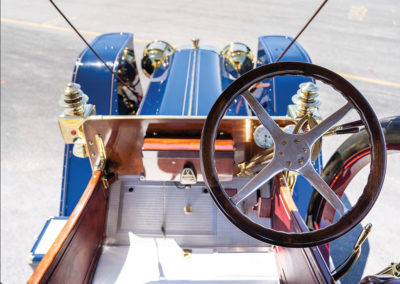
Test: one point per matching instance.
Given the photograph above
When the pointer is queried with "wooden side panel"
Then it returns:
(295, 265)
(74, 254)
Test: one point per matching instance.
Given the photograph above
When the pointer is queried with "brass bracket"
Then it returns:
(392, 269)
(72, 126)
(101, 163)
(348, 263)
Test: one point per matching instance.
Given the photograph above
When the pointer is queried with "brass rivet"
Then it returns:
(187, 209)
(296, 141)
(280, 154)
(93, 155)
(288, 163)
(305, 150)
(90, 142)
(300, 161)
(284, 142)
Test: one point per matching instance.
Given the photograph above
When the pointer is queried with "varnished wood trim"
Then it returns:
(304, 265)
(185, 144)
(45, 268)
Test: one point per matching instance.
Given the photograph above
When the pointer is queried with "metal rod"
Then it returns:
(301, 31)
(91, 48)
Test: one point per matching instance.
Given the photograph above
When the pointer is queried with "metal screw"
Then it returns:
(284, 142)
(305, 150)
(301, 161)
(93, 155)
(288, 163)
(296, 141)
(90, 142)
(280, 154)
(187, 209)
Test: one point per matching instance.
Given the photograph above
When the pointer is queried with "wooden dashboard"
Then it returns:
(146, 145)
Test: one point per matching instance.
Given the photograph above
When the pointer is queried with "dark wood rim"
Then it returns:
(344, 165)
(372, 126)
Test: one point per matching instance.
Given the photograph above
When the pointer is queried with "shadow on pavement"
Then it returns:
(343, 246)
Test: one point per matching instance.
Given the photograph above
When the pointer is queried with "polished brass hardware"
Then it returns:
(188, 209)
(347, 128)
(187, 253)
(255, 164)
(105, 181)
(129, 88)
(348, 263)
(101, 162)
(195, 42)
(80, 149)
(73, 100)
(238, 58)
(188, 175)
(76, 110)
(306, 100)
(155, 54)
(392, 269)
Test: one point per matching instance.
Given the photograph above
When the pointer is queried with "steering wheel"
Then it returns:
(293, 152)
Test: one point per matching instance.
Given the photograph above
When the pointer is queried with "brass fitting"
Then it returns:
(76, 110)
(195, 42)
(73, 100)
(306, 100)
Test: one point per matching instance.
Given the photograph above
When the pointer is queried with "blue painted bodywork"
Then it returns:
(101, 87)
(36, 257)
(278, 96)
(188, 86)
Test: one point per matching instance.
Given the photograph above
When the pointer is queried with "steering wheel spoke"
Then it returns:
(256, 182)
(323, 188)
(314, 134)
(262, 115)
(294, 154)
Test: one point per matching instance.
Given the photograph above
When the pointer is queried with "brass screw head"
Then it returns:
(296, 140)
(187, 209)
(195, 42)
(288, 163)
(301, 161)
(304, 150)
(284, 142)
(280, 154)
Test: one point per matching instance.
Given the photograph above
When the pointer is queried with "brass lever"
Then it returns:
(348, 263)
(392, 269)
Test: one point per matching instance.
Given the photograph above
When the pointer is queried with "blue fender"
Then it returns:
(101, 87)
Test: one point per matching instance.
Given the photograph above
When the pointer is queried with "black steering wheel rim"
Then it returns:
(372, 126)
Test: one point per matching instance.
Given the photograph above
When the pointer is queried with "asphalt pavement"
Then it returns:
(359, 39)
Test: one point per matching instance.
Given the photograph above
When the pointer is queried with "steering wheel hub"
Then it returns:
(292, 151)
